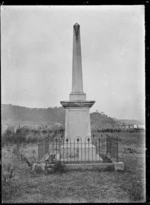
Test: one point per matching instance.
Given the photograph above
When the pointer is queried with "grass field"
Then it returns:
(78, 186)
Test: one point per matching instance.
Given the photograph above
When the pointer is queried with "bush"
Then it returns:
(58, 167)
(25, 135)
(7, 137)
(10, 137)
(21, 136)
(30, 138)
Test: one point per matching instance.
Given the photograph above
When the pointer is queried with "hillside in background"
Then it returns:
(100, 120)
(135, 122)
(16, 115)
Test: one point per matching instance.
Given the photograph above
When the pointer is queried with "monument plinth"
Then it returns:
(77, 120)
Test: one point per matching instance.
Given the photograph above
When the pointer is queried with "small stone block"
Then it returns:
(119, 166)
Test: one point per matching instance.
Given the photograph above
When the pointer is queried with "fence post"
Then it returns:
(107, 143)
(46, 145)
(40, 150)
(117, 148)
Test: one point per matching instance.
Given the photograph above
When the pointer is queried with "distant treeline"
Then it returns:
(118, 130)
(30, 135)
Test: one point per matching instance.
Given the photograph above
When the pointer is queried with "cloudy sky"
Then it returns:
(36, 52)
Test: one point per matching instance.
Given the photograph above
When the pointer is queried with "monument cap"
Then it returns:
(76, 24)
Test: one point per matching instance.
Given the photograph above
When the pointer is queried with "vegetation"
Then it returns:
(17, 115)
(109, 130)
(26, 135)
(20, 184)
(58, 167)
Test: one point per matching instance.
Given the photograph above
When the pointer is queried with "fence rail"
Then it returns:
(77, 150)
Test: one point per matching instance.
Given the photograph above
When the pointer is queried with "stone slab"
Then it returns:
(89, 166)
(119, 166)
(77, 103)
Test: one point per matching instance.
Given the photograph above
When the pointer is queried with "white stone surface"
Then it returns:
(77, 81)
(77, 96)
(77, 120)
(77, 123)
(119, 166)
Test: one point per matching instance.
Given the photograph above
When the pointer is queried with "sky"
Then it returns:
(36, 57)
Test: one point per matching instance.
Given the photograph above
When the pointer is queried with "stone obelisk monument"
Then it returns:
(77, 121)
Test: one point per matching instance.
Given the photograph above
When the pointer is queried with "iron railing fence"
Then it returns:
(78, 150)
(43, 147)
(112, 147)
(110, 144)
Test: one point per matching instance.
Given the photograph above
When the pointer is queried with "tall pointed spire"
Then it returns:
(77, 120)
(77, 80)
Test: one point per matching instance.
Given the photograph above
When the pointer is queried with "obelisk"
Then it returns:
(77, 93)
(77, 120)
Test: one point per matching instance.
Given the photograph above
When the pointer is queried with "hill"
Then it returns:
(126, 121)
(100, 120)
(16, 115)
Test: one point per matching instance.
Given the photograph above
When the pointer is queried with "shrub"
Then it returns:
(10, 137)
(58, 167)
(25, 135)
(30, 138)
(21, 136)
(7, 137)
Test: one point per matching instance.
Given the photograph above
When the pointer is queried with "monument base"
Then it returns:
(81, 152)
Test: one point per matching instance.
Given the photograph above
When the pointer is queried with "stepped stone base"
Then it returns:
(79, 153)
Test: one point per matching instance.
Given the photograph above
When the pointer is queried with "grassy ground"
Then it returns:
(80, 186)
